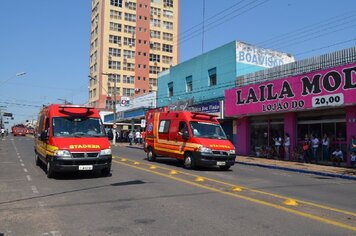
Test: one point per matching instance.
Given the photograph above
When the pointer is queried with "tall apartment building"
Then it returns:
(131, 41)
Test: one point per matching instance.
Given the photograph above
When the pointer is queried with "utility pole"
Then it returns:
(114, 110)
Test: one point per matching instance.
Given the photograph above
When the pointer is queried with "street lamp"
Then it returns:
(16, 75)
(114, 104)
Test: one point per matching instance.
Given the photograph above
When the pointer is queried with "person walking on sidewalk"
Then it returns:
(286, 147)
(326, 145)
(131, 136)
(315, 146)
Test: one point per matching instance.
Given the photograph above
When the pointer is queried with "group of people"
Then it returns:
(285, 143)
(133, 136)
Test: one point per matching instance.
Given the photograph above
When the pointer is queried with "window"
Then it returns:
(167, 59)
(115, 15)
(115, 26)
(116, 3)
(168, 36)
(212, 77)
(129, 41)
(154, 69)
(168, 14)
(127, 79)
(129, 54)
(114, 65)
(130, 17)
(164, 126)
(168, 3)
(128, 92)
(115, 52)
(129, 66)
(167, 25)
(155, 57)
(112, 90)
(155, 11)
(113, 77)
(155, 34)
(189, 83)
(155, 46)
(129, 29)
(153, 82)
(155, 23)
(114, 39)
(167, 48)
(130, 5)
(170, 89)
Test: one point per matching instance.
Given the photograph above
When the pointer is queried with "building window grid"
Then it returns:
(170, 89)
(212, 77)
(128, 79)
(114, 65)
(189, 83)
(168, 3)
(128, 54)
(129, 29)
(167, 25)
(117, 15)
(167, 59)
(155, 34)
(153, 82)
(129, 66)
(130, 5)
(168, 14)
(155, 46)
(130, 17)
(128, 92)
(114, 39)
(154, 69)
(129, 41)
(113, 77)
(155, 23)
(116, 3)
(155, 57)
(115, 27)
(115, 52)
(167, 48)
(167, 36)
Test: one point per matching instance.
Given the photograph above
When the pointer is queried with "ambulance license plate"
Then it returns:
(86, 167)
(220, 163)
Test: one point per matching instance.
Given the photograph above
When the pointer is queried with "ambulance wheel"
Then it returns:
(38, 161)
(224, 167)
(50, 172)
(189, 161)
(151, 155)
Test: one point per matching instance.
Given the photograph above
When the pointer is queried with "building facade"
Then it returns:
(199, 83)
(305, 99)
(131, 41)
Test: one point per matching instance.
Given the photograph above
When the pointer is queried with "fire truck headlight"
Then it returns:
(105, 152)
(205, 150)
(62, 153)
(232, 152)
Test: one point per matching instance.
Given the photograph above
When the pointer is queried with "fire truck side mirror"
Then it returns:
(44, 135)
(185, 135)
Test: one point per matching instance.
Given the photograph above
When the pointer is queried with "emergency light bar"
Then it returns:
(195, 114)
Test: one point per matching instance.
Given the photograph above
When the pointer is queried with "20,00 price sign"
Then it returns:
(328, 100)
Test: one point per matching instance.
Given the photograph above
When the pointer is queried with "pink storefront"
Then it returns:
(316, 103)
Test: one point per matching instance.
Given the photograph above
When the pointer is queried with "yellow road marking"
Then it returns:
(266, 193)
(234, 194)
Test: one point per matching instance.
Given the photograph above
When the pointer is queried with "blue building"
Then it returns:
(199, 83)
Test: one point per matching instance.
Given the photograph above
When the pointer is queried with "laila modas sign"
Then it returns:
(331, 87)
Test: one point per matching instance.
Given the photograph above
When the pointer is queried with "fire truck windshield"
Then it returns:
(77, 127)
(207, 130)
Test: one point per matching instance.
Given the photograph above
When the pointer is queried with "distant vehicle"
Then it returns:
(72, 138)
(30, 130)
(19, 130)
(196, 139)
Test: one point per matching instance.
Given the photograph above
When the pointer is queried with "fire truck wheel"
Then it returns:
(50, 171)
(189, 161)
(150, 155)
(224, 167)
(38, 161)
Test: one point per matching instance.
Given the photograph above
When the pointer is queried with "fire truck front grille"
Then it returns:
(85, 154)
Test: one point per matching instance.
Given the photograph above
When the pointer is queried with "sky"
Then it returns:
(49, 40)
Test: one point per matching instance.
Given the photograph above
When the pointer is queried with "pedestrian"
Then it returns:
(131, 137)
(277, 144)
(326, 145)
(353, 159)
(137, 137)
(2, 132)
(337, 156)
(286, 147)
(306, 147)
(315, 146)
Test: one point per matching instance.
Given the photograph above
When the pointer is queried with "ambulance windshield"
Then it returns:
(207, 130)
(77, 127)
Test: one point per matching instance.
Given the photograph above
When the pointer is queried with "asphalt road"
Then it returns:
(162, 198)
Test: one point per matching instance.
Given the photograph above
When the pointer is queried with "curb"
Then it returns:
(300, 170)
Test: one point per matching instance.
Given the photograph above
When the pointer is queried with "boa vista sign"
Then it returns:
(331, 87)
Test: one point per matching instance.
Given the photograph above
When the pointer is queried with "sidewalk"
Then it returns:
(331, 171)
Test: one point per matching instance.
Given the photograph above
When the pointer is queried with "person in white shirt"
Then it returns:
(2, 132)
(326, 145)
(277, 144)
(137, 137)
(286, 147)
(315, 146)
(337, 156)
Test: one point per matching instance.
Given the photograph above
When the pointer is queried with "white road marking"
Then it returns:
(34, 190)
(22, 164)
(28, 177)
(25, 170)
(41, 204)
(20, 160)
